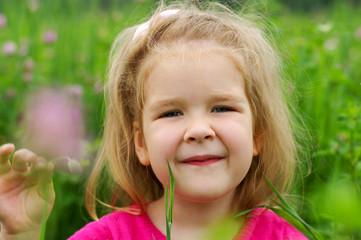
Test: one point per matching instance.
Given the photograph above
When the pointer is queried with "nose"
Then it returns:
(199, 131)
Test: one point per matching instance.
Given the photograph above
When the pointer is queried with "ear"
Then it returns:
(257, 144)
(140, 146)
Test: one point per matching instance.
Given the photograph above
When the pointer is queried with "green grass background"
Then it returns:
(321, 50)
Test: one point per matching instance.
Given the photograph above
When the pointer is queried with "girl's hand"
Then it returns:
(26, 189)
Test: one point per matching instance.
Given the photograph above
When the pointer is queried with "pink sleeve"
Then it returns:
(267, 225)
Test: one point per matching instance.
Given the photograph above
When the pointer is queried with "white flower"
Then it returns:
(325, 27)
(74, 166)
(331, 44)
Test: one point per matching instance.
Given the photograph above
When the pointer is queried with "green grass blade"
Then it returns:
(284, 202)
(169, 211)
(168, 227)
(249, 210)
(44, 218)
(299, 223)
(309, 230)
(172, 185)
(166, 212)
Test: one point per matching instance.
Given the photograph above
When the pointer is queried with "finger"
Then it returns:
(45, 176)
(21, 160)
(5, 151)
(39, 165)
(47, 173)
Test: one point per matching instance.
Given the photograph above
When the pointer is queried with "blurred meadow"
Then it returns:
(53, 57)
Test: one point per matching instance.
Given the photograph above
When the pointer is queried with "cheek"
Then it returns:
(238, 139)
(162, 145)
(162, 141)
(235, 131)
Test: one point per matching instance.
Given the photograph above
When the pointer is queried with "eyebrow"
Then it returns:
(164, 103)
(176, 101)
(229, 97)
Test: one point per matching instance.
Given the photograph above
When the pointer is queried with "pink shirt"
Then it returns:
(263, 225)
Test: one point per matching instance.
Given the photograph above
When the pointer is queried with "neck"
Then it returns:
(191, 220)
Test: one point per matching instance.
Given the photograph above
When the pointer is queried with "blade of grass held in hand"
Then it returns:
(167, 224)
(172, 185)
(169, 211)
(45, 213)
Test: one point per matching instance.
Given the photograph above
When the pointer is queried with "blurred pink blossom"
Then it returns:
(24, 49)
(336, 146)
(341, 137)
(28, 76)
(98, 87)
(29, 64)
(358, 33)
(3, 20)
(75, 90)
(33, 5)
(9, 48)
(51, 127)
(10, 93)
(68, 164)
(50, 36)
(24, 46)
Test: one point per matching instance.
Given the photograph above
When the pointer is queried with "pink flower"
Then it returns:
(3, 20)
(75, 90)
(10, 93)
(98, 87)
(50, 36)
(9, 48)
(68, 164)
(28, 76)
(358, 33)
(50, 127)
(33, 5)
(29, 64)
(24, 47)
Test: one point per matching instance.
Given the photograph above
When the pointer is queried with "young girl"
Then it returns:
(200, 90)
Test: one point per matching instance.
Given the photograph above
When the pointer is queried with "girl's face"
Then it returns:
(196, 116)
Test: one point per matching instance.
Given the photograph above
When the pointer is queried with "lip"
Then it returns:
(202, 160)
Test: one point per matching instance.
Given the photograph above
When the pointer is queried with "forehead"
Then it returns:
(184, 52)
(193, 74)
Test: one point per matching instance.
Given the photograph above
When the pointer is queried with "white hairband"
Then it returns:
(142, 28)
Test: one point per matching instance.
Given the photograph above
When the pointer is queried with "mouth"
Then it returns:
(202, 160)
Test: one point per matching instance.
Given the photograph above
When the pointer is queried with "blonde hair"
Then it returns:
(118, 167)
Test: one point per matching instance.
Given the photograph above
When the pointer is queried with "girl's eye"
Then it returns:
(222, 109)
(170, 114)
